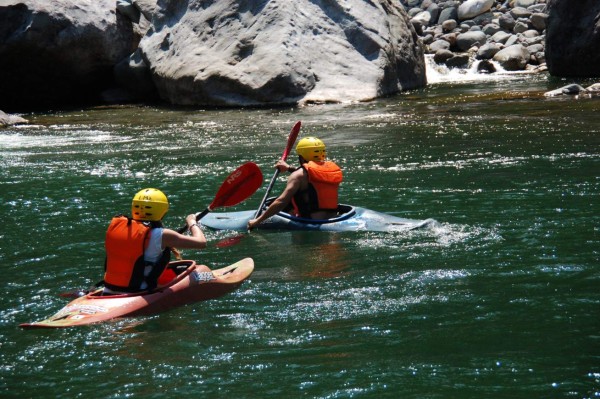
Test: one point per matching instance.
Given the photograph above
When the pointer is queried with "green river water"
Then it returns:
(500, 300)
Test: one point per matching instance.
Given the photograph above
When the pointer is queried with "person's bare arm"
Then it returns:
(173, 239)
(292, 187)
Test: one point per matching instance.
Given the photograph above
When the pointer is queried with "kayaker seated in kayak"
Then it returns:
(138, 247)
(312, 189)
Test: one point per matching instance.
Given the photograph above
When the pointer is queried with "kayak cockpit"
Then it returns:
(174, 272)
(343, 212)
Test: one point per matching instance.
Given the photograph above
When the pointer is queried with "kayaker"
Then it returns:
(312, 189)
(138, 247)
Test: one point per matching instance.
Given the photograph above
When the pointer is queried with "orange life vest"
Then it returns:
(324, 179)
(126, 240)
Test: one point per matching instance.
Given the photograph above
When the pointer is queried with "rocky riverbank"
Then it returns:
(459, 33)
(511, 34)
(236, 53)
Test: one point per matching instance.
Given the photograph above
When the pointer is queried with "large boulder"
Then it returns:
(573, 38)
(239, 52)
(59, 51)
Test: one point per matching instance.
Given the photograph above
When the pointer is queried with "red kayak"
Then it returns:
(190, 283)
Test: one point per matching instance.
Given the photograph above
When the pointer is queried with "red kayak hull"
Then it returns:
(192, 285)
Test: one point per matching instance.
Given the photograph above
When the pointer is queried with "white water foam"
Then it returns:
(437, 73)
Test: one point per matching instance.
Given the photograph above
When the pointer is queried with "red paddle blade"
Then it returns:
(230, 241)
(239, 185)
(291, 140)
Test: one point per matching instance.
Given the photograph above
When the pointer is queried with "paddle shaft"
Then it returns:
(290, 142)
(269, 188)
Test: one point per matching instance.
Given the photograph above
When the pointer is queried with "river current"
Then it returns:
(500, 299)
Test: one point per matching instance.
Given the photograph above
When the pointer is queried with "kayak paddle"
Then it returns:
(239, 185)
(227, 242)
(290, 142)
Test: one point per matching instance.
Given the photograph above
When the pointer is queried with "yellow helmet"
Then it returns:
(149, 204)
(311, 149)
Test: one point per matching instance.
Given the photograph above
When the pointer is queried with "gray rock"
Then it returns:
(513, 58)
(441, 56)
(464, 28)
(439, 45)
(413, 12)
(466, 40)
(426, 4)
(500, 37)
(458, 61)
(540, 57)
(530, 41)
(595, 88)
(59, 51)
(491, 29)
(512, 40)
(538, 8)
(539, 21)
(448, 13)
(424, 17)
(146, 7)
(520, 12)
(487, 51)
(281, 52)
(9, 120)
(535, 48)
(520, 27)
(434, 10)
(450, 38)
(572, 89)
(485, 66)
(449, 25)
(524, 3)
(507, 22)
(530, 34)
(483, 19)
(427, 39)
(473, 8)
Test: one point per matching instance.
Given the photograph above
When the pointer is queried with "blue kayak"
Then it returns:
(350, 218)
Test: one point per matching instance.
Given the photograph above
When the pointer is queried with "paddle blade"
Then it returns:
(230, 241)
(291, 140)
(239, 185)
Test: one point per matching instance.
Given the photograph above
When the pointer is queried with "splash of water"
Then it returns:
(440, 73)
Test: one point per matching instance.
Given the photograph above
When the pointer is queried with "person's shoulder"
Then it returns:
(298, 173)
